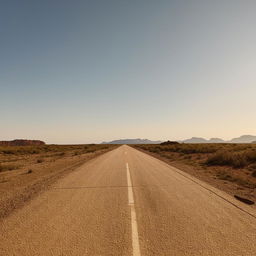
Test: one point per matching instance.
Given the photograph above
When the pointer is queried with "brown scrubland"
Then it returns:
(230, 167)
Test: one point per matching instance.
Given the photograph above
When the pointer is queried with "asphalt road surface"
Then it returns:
(126, 202)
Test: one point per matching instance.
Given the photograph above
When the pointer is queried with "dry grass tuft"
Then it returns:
(8, 167)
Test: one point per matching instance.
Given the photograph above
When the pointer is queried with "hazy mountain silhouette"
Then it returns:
(241, 139)
(216, 140)
(244, 139)
(202, 140)
(195, 140)
(132, 141)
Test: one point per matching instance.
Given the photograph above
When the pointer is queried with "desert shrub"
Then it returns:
(8, 152)
(239, 147)
(222, 158)
(234, 155)
(20, 150)
(7, 167)
(90, 150)
(40, 160)
(222, 175)
(143, 147)
(61, 154)
(250, 156)
(182, 148)
(238, 161)
(252, 167)
(104, 147)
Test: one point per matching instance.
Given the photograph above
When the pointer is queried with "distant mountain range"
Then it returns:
(202, 140)
(241, 139)
(244, 139)
(133, 141)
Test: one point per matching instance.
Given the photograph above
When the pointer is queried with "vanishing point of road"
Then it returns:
(126, 202)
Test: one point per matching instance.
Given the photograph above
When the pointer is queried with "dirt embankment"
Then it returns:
(26, 171)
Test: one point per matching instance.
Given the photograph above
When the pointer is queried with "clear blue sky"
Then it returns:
(86, 71)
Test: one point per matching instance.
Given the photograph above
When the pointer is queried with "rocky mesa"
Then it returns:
(22, 142)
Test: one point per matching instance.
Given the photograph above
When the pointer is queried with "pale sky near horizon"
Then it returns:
(91, 71)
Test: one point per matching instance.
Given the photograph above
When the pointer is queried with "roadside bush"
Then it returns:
(8, 167)
(90, 150)
(222, 175)
(61, 154)
(8, 152)
(251, 156)
(236, 160)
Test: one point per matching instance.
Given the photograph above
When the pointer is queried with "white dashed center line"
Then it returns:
(135, 236)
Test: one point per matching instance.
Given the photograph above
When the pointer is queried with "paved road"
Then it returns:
(126, 202)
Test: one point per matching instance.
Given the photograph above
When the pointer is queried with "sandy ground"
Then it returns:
(88, 212)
